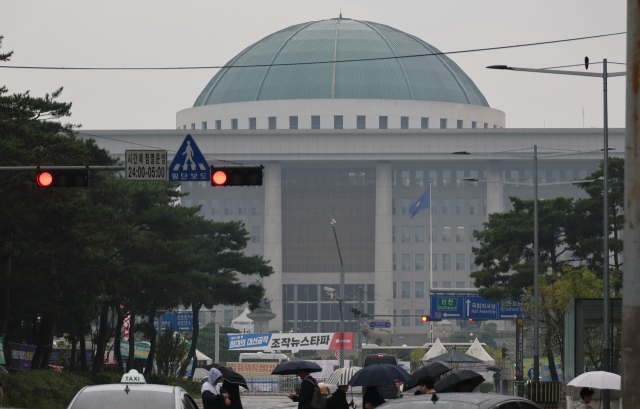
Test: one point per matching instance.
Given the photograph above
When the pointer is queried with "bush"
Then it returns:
(486, 387)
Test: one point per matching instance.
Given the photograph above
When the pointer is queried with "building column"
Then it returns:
(383, 247)
(495, 191)
(273, 240)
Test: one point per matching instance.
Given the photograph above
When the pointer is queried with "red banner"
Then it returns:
(342, 340)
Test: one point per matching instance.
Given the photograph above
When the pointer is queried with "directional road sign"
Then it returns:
(479, 308)
(380, 324)
(447, 306)
(145, 164)
(473, 307)
(509, 310)
(189, 164)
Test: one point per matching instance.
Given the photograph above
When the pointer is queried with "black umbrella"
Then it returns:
(292, 367)
(494, 368)
(448, 383)
(431, 369)
(229, 375)
(456, 356)
(379, 374)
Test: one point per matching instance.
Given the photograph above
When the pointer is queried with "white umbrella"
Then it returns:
(598, 380)
(342, 376)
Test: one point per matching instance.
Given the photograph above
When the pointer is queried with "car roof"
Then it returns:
(133, 387)
(481, 400)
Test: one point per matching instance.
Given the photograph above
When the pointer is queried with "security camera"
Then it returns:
(333, 222)
(330, 290)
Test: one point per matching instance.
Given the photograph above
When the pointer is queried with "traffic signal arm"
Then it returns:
(237, 175)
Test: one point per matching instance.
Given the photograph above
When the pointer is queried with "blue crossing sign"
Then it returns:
(473, 307)
(380, 324)
(189, 164)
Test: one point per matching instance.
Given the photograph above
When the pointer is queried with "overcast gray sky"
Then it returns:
(196, 32)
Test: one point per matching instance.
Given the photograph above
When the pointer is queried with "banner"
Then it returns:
(289, 341)
(141, 350)
(21, 356)
(2, 360)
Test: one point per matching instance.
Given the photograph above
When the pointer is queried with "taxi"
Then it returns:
(132, 392)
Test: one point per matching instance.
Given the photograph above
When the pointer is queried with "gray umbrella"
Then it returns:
(494, 368)
(457, 357)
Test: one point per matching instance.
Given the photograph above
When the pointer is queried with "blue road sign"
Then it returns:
(479, 308)
(189, 164)
(180, 321)
(380, 324)
(530, 373)
(509, 310)
(447, 306)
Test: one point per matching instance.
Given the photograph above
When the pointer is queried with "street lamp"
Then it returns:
(341, 299)
(605, 253)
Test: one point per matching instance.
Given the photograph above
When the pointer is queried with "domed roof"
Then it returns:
(432, 78)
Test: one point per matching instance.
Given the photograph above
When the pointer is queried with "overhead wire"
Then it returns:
(395, 57)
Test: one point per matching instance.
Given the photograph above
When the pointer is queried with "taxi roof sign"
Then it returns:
(133, 376)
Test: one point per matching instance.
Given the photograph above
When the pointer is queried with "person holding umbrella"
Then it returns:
(213, 396)
(497, 377)
(372, 397)
(339, 399)
(304, 394)
(234, 393)
(586, 394)
(425, 386)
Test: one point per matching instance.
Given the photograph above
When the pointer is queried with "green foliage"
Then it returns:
(207, 343)
(171, 350)
(486, 387)
(490, 328)
(415, 357)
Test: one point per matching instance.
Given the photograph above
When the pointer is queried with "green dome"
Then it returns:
(433, 78)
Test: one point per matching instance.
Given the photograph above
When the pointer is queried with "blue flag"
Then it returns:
(423, 202)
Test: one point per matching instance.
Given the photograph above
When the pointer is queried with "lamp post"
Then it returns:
(341, 299)
(606, 348)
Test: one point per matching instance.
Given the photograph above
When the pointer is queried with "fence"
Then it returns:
(545, 394)
(274, 384)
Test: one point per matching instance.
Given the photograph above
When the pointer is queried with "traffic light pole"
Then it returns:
(342, 298)
(37, 168)
(359, 350)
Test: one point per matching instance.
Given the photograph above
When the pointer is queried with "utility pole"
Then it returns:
(631, 279)
(536, 356)
(359, 350)
(217, 356)
(606, 349)
(342, 298)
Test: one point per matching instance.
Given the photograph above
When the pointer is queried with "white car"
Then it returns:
(132, 393)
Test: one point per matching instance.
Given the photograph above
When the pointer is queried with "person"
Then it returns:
(339, 399)
(213, 396)
(372, 397)
(304, 394)
(234, 394)
(463, 386)
(586, 394)
(425, 386)
(497, 377)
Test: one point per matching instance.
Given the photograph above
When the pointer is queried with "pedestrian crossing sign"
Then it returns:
(189, 164)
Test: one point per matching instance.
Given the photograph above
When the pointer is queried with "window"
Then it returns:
(582, 174)
(393, 179)
(568, 174)
(472, 262)
(242, 206)
(434, 234)
(495, 126)
(203, 207)
(484, 206)
(424, 123)
(434, 263)
(393, 206)
(255, 234)
(406, 262)
(419, 289)
(474, 124)
(528, 176)
(193, 126)
(459, 177)
(459, 284)
(446, 261)
(337, 122)
(272, 122)
(218, 124)
(446, 178)
(460, 123)
(204, 125)
(394, 289)
(446, 234)
(184, 127)
(434, 206)
(361, 122)
(215, 207)
(472, 229)
(460, 262)
(255, 207)
(555, 175)
(473, 206)
(189, 184)
(406, 178)
(228, 317)
(293, 122)
(406, 234)
(419, 314)
(228, 206)
(460, 234)
(187, 202)
(486, 125)
(404, 122)
(446, 206)
(443, 123)
(252, 123)
(419, 178)
(515, 176)
(393, 234)
(234, 124)
(395, 261)
(419, 264)
(406, 289)
(433, 178)
(459, 206)
(405, 206)
(406, 321)
(419, 234)
(542, 176)
(474, 175)
(446, 284)
(382, 122)
(315, 121)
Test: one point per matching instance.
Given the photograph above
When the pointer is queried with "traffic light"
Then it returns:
(470, 320)
(236, 175)
(356, 312)
(504, 352)
(426, 318)
(63, 178)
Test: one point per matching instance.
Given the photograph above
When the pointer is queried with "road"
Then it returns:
(276, 401)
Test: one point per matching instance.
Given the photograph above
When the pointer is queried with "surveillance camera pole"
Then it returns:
(341, 299)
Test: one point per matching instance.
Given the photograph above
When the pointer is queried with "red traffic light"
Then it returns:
(219, 178)
(44, 179)
(470, 319)
(425, 318)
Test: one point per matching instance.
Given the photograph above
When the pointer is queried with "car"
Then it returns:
(461, 401)
(387, 391)
(132, 393)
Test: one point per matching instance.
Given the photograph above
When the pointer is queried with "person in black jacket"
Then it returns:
(425, 386)
(234, 394)
(372, 397)
(305, 393)
(213, 396)
(339, 399)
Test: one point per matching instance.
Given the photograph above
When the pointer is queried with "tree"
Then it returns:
(207, 343)
(171, 350)
(415, 357)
